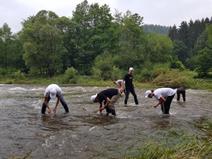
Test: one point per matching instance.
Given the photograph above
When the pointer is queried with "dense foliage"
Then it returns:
(151, 28)
(192, 45)
(95, 42)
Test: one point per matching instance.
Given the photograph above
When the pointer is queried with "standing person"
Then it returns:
(51, 92)
(181, 91)
(164, 96)
(107, 99)
(129, 87)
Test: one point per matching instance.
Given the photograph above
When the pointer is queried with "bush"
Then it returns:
(70, 76)
(150, 72)
(116, 73)
(176, 64)
(144, 75)
(7, 71)
(102, 66)
(105, 69)
(175, 78)
(18, 75)
(160, 69)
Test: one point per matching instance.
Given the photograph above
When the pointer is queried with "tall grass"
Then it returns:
(180, 145)
(190, 148)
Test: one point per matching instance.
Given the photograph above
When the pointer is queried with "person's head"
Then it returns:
(131, 69)
(93, 98)
(149, 94)
(53, 93)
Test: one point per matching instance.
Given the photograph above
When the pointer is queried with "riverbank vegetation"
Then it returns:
(178, 145)
(91, 81)
(94, 47)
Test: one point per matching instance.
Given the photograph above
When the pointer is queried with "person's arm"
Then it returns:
(57, 103)
(107, 101)
(161, 101)
(104, 104)
(47, 104)
(122, 87)
(101, 106)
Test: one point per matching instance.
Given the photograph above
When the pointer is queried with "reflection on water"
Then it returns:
(83, 133)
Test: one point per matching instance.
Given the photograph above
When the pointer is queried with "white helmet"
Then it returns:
(93, 97)
(147, 93)
(131, 69)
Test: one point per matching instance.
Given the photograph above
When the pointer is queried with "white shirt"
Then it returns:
(53, 87)
(164, 92)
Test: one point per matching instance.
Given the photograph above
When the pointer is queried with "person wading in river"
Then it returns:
(120, 84)
(129, 87)
(51, 92)
(181, 91)
(107, 99)
(164, 96)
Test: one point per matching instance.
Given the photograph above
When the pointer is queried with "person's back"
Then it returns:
(109, 92)
(164, 96)
(53, 87)
(107, 98)
(165, 92)
(51, 92)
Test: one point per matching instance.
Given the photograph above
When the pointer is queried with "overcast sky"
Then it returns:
(161, 12)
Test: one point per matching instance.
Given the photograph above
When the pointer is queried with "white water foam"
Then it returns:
(18, 89)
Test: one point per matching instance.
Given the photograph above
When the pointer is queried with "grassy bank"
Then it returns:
(89, 81)
(86, 81)
(162, 77)
(178, 145)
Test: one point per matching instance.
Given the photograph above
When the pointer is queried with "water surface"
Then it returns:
(83, 133)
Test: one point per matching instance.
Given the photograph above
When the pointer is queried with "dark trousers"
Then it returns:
(110, 110)
(182, 92)
(166, 105)
(62, 101)
(127, 92)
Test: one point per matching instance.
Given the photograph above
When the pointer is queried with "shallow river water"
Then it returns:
(83, 133)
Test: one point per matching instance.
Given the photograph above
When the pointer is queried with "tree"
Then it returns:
(150, 28)
(173, 33)
(105, 68)
(6, 37)
(89, 34)
(183, 33)
(181, 51)
(190, 34)
(158, 48)
(131, 41)
(11, 50)
(203, 62)
(203, 55)
(43, 43)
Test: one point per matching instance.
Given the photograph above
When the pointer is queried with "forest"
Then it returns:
(94, 43)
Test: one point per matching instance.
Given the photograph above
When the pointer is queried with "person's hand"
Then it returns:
(101, 109)
(55, 110)
(108, 100)
(49, 111)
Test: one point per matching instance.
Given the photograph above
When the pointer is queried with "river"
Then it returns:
(83, 133)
